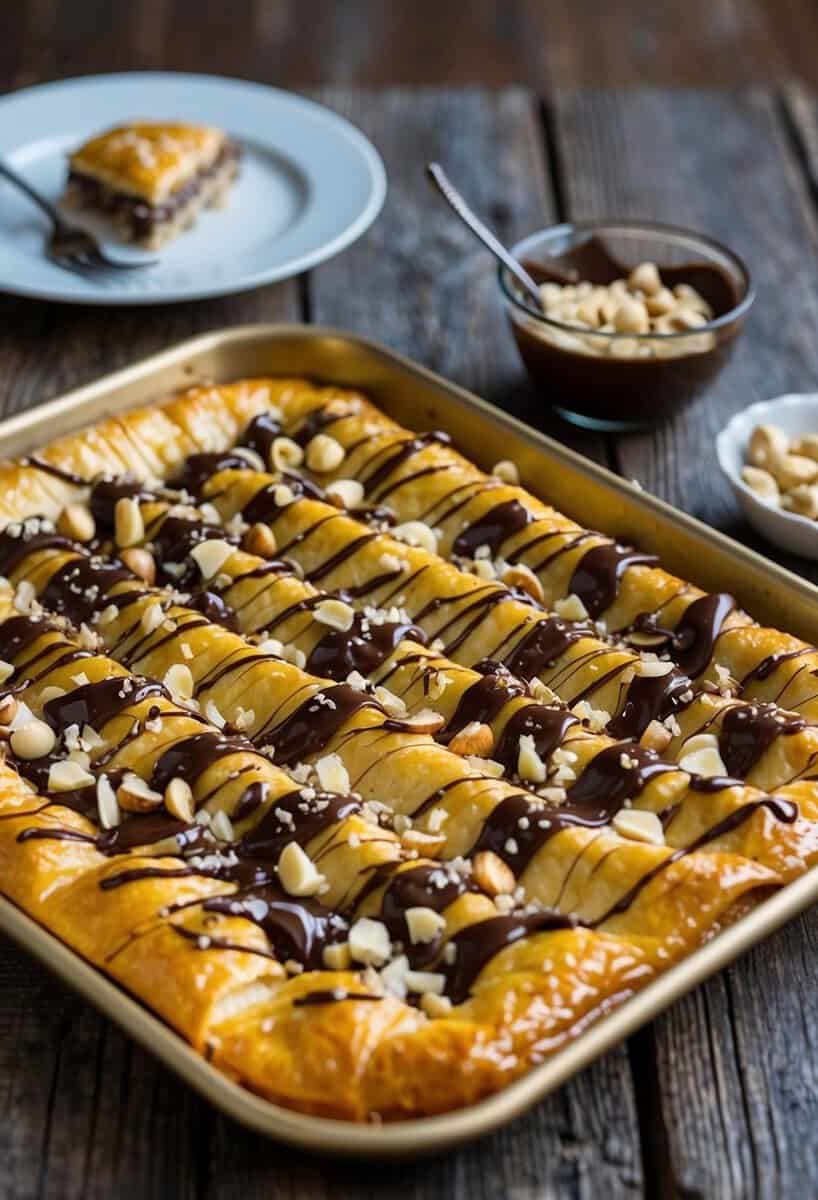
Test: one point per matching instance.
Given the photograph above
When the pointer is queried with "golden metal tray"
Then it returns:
(418, 398)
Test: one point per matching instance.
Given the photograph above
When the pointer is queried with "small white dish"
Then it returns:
(310, 184)
(796, 414)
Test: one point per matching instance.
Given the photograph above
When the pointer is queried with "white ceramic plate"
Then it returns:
(795, 414)
(310, 184)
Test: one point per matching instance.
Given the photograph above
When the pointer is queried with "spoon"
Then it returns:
(449, 192)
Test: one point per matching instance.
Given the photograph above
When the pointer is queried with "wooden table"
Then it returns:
(719, 1097)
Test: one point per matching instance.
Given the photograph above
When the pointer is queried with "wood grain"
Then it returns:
(47, 349)
(735, 1107)
(577, 1143)
(491, 43)
(84, 1112)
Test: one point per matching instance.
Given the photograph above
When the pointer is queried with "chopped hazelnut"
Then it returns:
(76, 522)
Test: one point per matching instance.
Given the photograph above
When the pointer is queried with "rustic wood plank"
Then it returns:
(83, 1112)
(419, 282)
(725, 1072)
(740, 1118)
(800, 112)
(47, 349)
(723, 1103)
(577, 1143)
(623, 43)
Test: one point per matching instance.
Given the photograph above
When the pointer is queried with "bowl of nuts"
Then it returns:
(769, 453)
(636, 318)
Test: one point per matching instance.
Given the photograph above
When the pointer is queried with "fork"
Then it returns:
(68, 246)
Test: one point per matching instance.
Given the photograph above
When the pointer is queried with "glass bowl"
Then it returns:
(616, 381)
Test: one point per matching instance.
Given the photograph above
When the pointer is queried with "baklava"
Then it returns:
(152, 178)
(373, 776)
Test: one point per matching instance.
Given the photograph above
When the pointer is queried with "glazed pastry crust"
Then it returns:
(151, 160)
(591, 912)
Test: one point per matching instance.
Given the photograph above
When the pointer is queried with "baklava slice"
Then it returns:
(152, 178)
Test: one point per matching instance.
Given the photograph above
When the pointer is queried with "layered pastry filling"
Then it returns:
(151, 178)
(373, 775)
(137, 217)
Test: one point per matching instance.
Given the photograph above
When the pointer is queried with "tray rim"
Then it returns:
(429, 1134)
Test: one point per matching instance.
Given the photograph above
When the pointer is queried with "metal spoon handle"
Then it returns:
(451, 195)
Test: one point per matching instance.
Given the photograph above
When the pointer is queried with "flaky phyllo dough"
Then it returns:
(372, 775)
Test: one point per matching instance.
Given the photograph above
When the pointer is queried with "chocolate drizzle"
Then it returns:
(597, 574)
(198, 469)
(296, 817)
(696, 633)
(331, 996)
(97, 703)
(771, 663)
(263, 506)
(16, 544)
(214, 608)
(363, 647)
(429, 885)
(484, 699)
(191, 756)
(545, 642)
(650, 698)
(519, 827)
(477, 944)
(77, 588)
(18, 633)
(402, 451)
(31, 460)
(177, 537)
(315, 722)
(296, 929)
(492, 529)
(618, 773)
(547, 725)
(106, 494)
(261, 433)
(748, 730)
(315, 422)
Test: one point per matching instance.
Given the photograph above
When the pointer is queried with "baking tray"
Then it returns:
(418, 398)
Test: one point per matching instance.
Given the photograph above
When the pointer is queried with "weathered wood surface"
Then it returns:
(720, 1096)
(735, 1085)
(493, 43)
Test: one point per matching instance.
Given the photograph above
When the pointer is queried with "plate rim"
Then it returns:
(305, 261)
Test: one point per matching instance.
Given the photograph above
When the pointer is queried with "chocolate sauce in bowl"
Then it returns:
(629, 391)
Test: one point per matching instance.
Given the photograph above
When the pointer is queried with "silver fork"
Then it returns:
(68, 246)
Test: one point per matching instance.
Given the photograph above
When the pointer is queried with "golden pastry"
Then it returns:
(152, 178)
(422, 478)
(260, 772)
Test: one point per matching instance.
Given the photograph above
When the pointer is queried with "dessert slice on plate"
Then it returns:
(152, 178)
